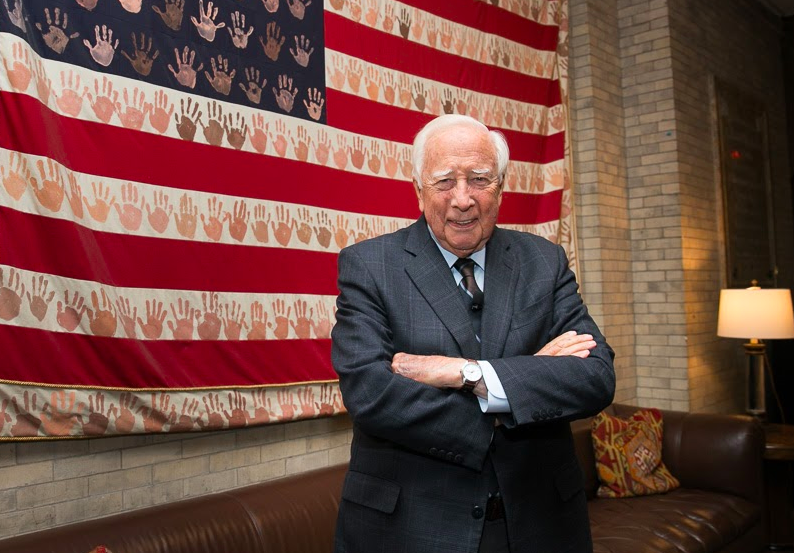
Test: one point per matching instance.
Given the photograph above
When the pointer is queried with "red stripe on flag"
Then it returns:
(154, 159)
(391, 51)
(490, 19)
(319, 186)
(74, 359)
(394, 123)
(59, 247)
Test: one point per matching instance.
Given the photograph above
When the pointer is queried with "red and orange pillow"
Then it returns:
(628, 455)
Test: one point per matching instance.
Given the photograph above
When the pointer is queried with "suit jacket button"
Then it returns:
(543, 414)
(558, 412)
(450, 456)
(441, 452)
(477, 512)
(458, 458)
(433, 451)
(535, 415)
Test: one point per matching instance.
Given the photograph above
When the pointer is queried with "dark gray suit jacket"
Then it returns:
(416, 478)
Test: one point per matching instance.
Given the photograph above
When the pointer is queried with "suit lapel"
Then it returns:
(432, 277)
(500, 283)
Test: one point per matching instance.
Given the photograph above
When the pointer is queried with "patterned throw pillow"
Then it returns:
(629, 455)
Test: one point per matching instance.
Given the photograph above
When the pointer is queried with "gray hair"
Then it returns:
(452, 120)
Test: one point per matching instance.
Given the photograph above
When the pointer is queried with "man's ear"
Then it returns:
(419, 195)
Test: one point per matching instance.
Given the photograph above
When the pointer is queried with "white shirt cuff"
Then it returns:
(497, 399)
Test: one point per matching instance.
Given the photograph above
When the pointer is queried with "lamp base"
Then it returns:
(755, 404)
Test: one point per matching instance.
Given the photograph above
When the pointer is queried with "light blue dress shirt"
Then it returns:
(497, 399)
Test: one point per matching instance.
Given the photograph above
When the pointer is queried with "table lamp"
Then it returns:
(756, 314)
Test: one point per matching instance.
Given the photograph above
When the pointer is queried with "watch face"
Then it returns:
(472, 372)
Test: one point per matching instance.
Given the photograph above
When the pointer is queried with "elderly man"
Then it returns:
(463, 350)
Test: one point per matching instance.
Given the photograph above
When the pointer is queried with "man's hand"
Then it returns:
(569, 343)
(434, 370)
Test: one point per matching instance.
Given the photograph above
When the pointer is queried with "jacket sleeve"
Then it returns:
(416, 416)
(542, 389)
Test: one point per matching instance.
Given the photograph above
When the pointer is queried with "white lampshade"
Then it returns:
(763, 313)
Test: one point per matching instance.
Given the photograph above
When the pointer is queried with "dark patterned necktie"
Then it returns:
(465, 266)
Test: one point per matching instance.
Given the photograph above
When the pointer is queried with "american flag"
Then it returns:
(180, 175)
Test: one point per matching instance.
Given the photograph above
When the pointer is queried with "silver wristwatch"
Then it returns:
(470, 375)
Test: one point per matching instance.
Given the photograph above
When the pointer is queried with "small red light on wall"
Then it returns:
(735, 154)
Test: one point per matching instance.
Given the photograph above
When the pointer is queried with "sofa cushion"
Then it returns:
(628, 455)
(682, 520)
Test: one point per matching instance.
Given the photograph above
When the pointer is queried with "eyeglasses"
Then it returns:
(473, 182)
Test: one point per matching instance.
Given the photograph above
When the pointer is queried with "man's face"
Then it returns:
(461, 193)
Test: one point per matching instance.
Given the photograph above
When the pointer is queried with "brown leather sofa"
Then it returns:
(718, 460)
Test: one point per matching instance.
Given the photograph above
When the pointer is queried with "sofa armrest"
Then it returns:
(722, 453)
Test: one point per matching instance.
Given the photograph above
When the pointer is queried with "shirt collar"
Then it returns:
(451, 258)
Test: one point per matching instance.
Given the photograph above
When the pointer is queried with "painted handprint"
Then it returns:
(343, 233)
(286, 401)
(260, 223)
(258, 322)
(271, 5)
(50, 193)
(238, 220)
(187, 419)
(314, 105)
(103, 50)
(280, 141)
(133, 115)
(184, 317)
(105, 101)
(213, 224)
(341, 152)
(130, 213)
(159, 216)
(98, 418)
(125, 416)
(282, 318)
(172, 16)
(19, 74)
(322, 147)
(103, 201)
(55, 36)
(160, 111)
(259, 132)
(252, 88)
(18, 176)
(155, 417)
(323, 229)
(102, 318)
(236, 129)
(11, 293)
(213, 408)
(298, 7)
(70, 312)
(128, 314)
(71, 99)
(301, 147)
(357, 152)
(186, 217)
(58, 415)
(304, 225)
(286, 225)
(141, 58)
(275, 40)
(233, 320)
(302, 50)
(301, 325)
(27, 424)
(187, 121)
(16, 16)
(206, 27)
(186, 75)
(213, 131)
(221, 79)
(38, 300)
(322, 324)
(155, 315)
(285, 94)
(210, 327)
(238, 32)
(354, 73)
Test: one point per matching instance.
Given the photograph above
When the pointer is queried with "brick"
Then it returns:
(88, 508)
(234, 459)
(181, 468)
(87, 464)
(59, 491)
(29, 520)
(262, 472)
(310, 461)
(17, 476)
(33, 452)
(138, 498)
(212, 443)
(151, 454)
(8, 455)
(8, 501)
(209, 483)
(119, 480)
(289, 448)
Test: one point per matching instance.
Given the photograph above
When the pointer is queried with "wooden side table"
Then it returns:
(778, 455)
